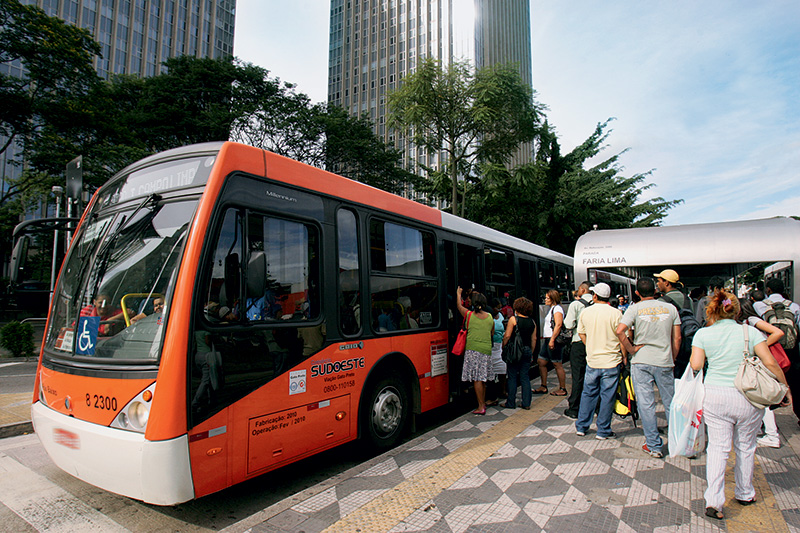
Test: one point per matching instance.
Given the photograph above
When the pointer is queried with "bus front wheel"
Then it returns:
(386, 416)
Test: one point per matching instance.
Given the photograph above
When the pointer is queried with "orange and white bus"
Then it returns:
(224, 311)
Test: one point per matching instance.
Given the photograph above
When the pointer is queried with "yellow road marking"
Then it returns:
(763, 515)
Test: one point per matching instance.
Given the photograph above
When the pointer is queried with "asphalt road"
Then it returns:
(17, 375)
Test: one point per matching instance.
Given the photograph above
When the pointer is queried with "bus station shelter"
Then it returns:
(696, 251)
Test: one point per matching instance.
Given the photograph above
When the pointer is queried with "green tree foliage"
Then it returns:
(56, 61)
(557, 198)
(286, 123)
(472, 118)
(127, 118)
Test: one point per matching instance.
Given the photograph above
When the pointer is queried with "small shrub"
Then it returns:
(17, 338)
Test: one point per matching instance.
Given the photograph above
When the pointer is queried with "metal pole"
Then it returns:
(58, 191)
(69, 215)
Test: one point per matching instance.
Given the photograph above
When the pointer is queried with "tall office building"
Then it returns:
(137, 36)
(375, 43)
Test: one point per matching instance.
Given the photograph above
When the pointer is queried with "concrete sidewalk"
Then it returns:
(15, 414)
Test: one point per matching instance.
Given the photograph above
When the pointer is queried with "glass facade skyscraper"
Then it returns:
(137, 36)
(375, 43)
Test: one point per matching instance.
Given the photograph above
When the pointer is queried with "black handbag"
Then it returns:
(513, 351)
(565, 335)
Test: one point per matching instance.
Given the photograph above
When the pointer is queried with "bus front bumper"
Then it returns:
(119, 461)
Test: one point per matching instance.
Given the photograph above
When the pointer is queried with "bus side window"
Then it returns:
(349, 273)
(403, 281)
(223, 289)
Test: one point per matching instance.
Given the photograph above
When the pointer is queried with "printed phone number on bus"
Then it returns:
(339, 386)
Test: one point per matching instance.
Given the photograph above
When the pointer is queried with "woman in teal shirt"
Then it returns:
(726, 411)
(478, 353)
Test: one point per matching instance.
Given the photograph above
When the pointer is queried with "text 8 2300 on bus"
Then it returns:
(224, 311)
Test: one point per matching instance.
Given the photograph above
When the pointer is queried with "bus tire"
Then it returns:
(386, 413)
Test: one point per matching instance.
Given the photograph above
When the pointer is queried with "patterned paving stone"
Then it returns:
(474, 476)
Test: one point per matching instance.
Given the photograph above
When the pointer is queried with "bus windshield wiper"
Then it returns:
(104, 254)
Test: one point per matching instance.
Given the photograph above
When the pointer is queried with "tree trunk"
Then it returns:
(454, 178)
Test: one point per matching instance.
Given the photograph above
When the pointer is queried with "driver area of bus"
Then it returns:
(260, 316)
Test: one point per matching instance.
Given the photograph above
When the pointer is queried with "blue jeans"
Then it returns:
(643, 377)
(598, 384)
(519, 374)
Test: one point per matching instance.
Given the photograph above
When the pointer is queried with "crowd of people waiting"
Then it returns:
(606, 333)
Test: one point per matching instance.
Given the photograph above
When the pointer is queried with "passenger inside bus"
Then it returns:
(158, 309)
(112, 320)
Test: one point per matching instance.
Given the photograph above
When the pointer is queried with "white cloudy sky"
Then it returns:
(704, 94)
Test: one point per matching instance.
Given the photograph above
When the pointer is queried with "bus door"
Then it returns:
(259, 320)
(462, 269)
(499, 268)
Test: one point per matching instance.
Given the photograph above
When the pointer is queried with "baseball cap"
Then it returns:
(668, 275)
(223, 312)
(602, 290)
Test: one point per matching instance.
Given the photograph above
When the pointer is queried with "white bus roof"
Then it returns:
(695, 251)
(473, 229)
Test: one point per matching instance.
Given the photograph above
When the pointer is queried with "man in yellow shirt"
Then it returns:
(597, 328)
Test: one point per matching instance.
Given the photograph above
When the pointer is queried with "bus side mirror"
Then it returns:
(18, 256)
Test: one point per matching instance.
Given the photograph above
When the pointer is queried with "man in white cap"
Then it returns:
(597, 328)
(667, 282)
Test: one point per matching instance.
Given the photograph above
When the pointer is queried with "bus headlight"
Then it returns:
(134, 416)
(138, 413)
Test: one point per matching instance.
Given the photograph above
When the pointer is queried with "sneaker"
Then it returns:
(770, 442)
(580, 433)
(611, 435)
(652, 453)
(570, 414)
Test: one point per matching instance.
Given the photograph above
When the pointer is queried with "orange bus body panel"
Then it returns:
(94, 400)
(271, 428)
(168, 419)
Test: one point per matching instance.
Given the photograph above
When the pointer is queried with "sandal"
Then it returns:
(540, 390)
(713, 513)
(747, 502)
(560, 392)
(491, 403)
(479, 412)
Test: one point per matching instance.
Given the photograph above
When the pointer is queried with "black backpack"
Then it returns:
(689, 326)
(779, 315)
(565, 335)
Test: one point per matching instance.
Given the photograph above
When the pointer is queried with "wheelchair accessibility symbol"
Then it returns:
(87, 335)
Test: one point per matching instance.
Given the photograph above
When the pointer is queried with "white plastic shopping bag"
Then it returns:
(687, 431)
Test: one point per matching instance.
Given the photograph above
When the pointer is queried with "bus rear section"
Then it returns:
(216, 318)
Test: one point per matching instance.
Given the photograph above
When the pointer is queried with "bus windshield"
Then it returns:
(113, 295)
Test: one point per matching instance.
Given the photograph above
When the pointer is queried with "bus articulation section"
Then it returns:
(224, 311)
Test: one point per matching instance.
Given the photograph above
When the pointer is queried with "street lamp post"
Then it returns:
(58, 192)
